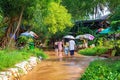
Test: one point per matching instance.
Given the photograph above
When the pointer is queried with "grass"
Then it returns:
(93, 51)
(9, 58)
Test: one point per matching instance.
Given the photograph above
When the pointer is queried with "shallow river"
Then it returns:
(56, 68)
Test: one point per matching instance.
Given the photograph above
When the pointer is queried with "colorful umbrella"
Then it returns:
(89, 36)
(105, 31)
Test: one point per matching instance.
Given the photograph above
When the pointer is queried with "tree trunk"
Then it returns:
(18, 25)
(7, 39)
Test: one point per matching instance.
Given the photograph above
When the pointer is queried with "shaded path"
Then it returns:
(59, 69)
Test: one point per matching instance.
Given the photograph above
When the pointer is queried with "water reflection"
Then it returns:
(60, 59)
(63, 68)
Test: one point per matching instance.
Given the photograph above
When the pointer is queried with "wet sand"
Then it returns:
(55, 68)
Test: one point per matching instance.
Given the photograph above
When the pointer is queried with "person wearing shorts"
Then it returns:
(72, 47)
(66, 48)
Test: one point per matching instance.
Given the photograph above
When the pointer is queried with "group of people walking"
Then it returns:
(68, 47)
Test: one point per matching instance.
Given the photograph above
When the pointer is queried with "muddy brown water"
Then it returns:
(55, 68)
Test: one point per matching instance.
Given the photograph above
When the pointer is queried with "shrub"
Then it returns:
(88, 51)
(102, 70)
(101, 50)
(37, 52)
(117, 47)
(93, 51)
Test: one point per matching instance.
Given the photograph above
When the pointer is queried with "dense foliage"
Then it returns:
(49, 16)
(102, 70)
(58, 18)
(40, 14)
(81, 9)
(115, 19)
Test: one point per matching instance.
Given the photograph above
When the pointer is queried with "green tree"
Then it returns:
(113, 4)
(36, 13)
(115, 18)
(116, 14)
(14, 11)
(48, 20)
(40, 13)
(82, 8)
(58, 18)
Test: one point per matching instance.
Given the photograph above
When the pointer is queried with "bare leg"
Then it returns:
(56, 50)
(60, 54)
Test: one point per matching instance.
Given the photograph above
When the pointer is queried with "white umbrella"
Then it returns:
(85, 36)
(79, 37)
(69, 37)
